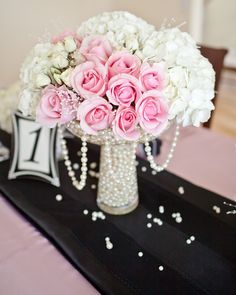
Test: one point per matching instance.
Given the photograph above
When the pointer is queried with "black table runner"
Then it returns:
(206, 266)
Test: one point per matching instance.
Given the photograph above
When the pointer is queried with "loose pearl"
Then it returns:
(161, 209)
(85, 212)
(109, 246)
(144, 169)
(140, 254)
(76, 166)
(161, 268)
(93, 165)
(178, 219)
(160, 222)
(149, 225)
(181, 190)
(59, 198)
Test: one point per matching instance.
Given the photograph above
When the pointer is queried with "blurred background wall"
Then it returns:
(24, 22)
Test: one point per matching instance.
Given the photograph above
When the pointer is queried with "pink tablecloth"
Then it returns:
(205, 158)
(29, 264)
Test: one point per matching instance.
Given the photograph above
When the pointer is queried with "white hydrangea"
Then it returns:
(38, 63)
(190, 75)
(123, 29)
(9, 98)
(29, 100)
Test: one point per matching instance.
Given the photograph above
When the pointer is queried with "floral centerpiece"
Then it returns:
(117, 81)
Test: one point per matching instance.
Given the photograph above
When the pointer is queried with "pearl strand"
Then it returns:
(79, 185)
(150, 158)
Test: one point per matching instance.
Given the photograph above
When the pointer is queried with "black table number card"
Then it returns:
(33, 150)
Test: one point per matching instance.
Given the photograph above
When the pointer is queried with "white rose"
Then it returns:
(70, 44)
(42, 80)
(59, 47)
(60, 61)
(57, 78)
(65, 76)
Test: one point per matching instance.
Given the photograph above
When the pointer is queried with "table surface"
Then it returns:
(15, 257)
(205, 158)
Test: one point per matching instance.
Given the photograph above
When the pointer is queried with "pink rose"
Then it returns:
(96, 48)
(89, 78)
(95, 114)
(63, 35)
(125, 123)
(123, 89)
(57, 106)
(152, 112)
(152, 76)
(122, 62)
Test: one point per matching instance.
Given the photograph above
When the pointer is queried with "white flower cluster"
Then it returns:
(123, 29)
(190, 76)
(9, 98)
(44, 65)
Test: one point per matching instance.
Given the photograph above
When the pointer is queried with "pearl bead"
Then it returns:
(78, 185)
(161, 268)
(178, 219)
(149, 225)
(140, 254)
(85, 212)
(109, 246)
(93, 165)
(59, 198)
(76, 166)
(161, 209)
(160, 222)
(192, 238)
(150, 158)
(71, 173)
(181, 190)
